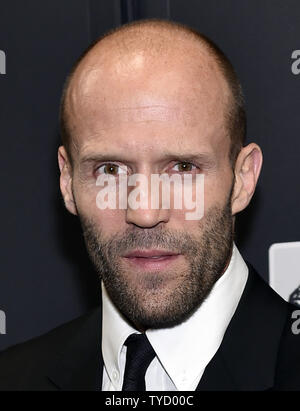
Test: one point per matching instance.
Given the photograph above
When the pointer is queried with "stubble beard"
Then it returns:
(146, 299)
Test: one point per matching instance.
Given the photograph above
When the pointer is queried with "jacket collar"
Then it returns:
(247, 356)
(79, 366)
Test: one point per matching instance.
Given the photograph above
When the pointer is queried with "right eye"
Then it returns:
(112, 169)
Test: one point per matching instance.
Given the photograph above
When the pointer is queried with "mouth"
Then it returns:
(151, 259)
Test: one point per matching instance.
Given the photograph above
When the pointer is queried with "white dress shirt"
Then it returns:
(183, 351)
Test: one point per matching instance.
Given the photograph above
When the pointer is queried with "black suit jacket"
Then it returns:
(258, 351)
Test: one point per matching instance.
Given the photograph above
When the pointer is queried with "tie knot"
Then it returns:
(138, 357)
(138, 340)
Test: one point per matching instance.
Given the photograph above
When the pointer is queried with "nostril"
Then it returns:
(146, 218)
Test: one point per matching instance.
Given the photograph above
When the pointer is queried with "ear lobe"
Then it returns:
(247, 170)
(66, 180)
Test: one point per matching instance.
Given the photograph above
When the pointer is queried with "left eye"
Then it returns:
(184, 167)
(112, 169)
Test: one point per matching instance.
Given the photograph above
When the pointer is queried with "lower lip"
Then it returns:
(152, 263)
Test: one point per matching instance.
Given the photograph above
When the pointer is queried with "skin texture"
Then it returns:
(146, 107)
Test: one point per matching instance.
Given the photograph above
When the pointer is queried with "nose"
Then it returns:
(146, 218)
(146, 213)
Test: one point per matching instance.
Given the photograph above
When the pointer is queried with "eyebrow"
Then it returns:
(97, 158)
(206, 158)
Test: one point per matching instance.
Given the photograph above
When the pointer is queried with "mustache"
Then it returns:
(154, 238)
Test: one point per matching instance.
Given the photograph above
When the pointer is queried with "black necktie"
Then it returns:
(138, 357)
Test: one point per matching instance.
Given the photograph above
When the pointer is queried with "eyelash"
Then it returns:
(187, 163)
(117, 165)
(107, 164)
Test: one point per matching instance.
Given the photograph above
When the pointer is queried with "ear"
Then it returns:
(247, 170)
(66, 180)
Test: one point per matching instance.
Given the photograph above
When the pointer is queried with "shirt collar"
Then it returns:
(115, 330)
(186, 349)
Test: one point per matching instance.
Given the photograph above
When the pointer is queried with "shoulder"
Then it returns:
(285, 318)
(288, 360)
(29, 360)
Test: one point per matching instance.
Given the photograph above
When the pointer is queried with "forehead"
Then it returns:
(115, 98)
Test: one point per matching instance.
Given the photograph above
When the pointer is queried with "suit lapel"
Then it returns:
(79, 366)
(247, 356)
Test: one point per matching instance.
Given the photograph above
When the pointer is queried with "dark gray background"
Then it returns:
(46, 278)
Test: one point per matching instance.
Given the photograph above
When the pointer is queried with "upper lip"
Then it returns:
(149, 253)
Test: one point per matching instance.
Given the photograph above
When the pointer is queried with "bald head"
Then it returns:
(147, 57)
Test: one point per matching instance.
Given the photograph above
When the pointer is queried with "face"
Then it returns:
(157, 266)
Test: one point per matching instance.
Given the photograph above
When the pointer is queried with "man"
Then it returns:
(180, 308)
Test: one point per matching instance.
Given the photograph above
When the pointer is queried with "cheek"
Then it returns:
(213, 191)
(178, 223)
(217, 190)
(109, 221)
